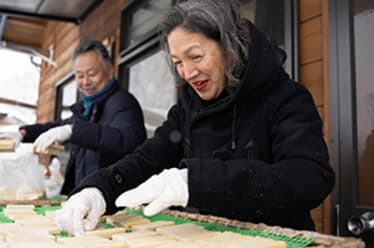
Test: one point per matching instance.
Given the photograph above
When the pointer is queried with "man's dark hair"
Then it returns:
(93, 45)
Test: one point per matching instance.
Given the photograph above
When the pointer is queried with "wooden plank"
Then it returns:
(64, 29)
(67, 42)
(309, 9)
(24, 31)
(103, 21)
(311, 41)
(65, 56)
(28, 202)
(311, 76)
(326, 110)
(317, 215)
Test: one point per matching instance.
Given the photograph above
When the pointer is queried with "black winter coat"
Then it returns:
(257, 154)
(116, 128)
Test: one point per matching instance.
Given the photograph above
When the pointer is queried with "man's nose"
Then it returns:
(85, 80)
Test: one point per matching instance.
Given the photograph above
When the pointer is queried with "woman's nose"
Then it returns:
(190, 71)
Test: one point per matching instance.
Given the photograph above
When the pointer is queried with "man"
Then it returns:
(106, 124)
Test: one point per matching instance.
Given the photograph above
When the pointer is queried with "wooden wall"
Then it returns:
(102, 24)
(313, 51)
(25, 31)
(62, 38)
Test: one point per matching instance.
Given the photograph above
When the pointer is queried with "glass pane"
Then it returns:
(268, 15)
(20, 85)
(152, 83)
(69, 97)
(147, 18)
(364, 61)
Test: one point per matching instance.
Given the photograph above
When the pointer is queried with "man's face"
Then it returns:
(91, 74)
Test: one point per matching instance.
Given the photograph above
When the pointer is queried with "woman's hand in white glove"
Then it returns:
(57, 134)
(81, 212)
(169, 188)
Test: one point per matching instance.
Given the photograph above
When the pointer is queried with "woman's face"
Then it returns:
(198, 60)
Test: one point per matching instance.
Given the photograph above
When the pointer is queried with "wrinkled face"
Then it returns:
(198, 60)
(90, 73)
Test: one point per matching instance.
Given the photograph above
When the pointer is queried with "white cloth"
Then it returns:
(57, 134)
(169, 188)
(81, 212)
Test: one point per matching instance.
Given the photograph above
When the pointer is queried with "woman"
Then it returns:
(243, 141)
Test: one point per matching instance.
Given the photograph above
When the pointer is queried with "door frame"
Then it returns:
(343, 128)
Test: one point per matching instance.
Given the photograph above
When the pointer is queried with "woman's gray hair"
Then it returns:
(93, 45)
(218, 20)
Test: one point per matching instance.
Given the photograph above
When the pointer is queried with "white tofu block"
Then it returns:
(20, 206)
(89, 242)
(186, 232)
(132, 235)
(106, 233)
(152, 225)
(126, 220)
(150, 241)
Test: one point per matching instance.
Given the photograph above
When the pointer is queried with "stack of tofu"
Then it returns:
(7, 145)
(132, 231)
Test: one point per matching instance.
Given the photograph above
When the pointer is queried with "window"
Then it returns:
(143, 70)
(139, 21)
(67, 95)
(19, 87)
(151, 82)
(268, 15)
(364, 57)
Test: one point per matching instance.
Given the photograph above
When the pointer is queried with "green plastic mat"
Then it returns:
(3, 217)
(296, 242)
(43, 209)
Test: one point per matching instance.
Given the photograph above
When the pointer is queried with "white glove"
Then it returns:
(169, 188)
(81, 212)
(57, 134)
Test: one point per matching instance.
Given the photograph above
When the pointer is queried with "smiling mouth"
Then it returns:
(201, 85)
(88, 91)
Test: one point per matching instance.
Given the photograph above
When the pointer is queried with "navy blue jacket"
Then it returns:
(116, 128)
(255, 154)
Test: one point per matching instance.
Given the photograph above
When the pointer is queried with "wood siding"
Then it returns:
(313, 44)
(102, 24)
(61, 38)
(19, 31)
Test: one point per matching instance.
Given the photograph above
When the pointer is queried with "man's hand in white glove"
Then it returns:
(57, 134)
(81, 212)
(169, 188)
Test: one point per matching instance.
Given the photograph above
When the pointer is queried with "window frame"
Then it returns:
(59, 95)
(343, 124)
(125, 25)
